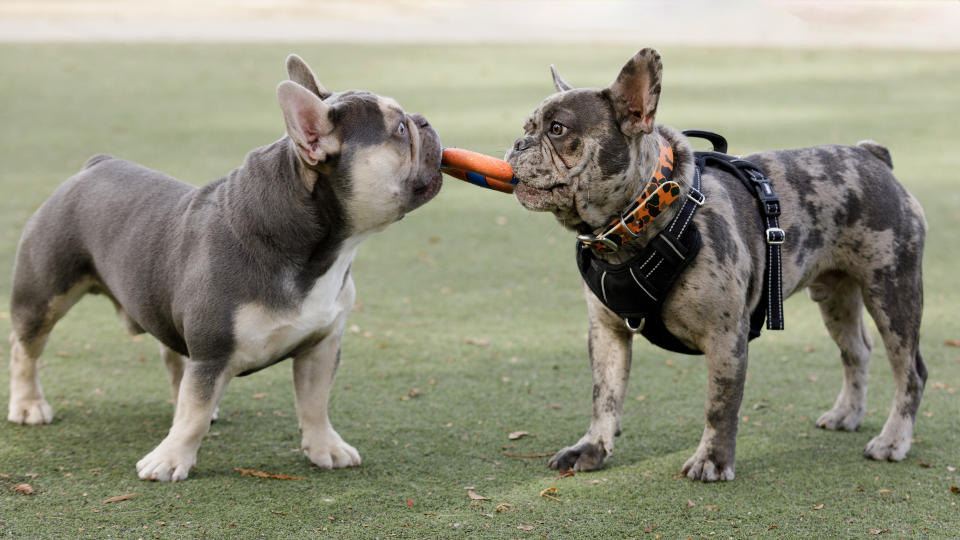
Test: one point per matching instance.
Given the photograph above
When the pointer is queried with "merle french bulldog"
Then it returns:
(854, 239)
(234, 276)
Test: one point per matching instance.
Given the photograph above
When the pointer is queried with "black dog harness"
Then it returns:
(636, 289)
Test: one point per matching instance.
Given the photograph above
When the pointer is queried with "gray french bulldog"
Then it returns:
(854, 239)
(234, 276)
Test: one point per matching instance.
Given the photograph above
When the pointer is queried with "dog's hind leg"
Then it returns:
(33, 316)
(896, 306)
(841, 306)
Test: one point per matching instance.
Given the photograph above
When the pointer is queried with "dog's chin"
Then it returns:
(542, 200)
(425, 190)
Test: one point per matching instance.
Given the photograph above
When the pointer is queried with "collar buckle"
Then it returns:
(592, 240)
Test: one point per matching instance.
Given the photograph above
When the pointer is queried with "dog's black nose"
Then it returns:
(522, 144)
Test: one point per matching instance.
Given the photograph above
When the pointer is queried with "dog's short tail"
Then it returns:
(878, 150)
(96, 159)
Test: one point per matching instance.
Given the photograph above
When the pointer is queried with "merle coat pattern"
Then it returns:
(854, 240)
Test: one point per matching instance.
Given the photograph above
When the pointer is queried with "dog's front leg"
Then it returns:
(201, 387)
(313, 373)
(609, 347)
(726, 372)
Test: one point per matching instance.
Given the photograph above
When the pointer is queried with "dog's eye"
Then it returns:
(401, 129)
(557, 129)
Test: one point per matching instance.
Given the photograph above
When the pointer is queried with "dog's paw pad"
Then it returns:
(882, 448)
(840, 419)
(163, 465)
(583, 456)
(30, 412)
(702, 468)
(331, 452)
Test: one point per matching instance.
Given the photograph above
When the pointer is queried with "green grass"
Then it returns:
(472, 264)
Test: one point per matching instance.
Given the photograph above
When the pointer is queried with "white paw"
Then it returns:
(30, 411)
(701, 467)
(329, 451)
(166, 463)
(884, 447)
(841, 418)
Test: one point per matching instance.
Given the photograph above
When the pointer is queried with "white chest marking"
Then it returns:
(261, 334)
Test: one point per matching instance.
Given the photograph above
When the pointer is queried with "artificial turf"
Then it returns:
(470, 321)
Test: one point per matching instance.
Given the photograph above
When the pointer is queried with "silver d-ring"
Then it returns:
(643, 321)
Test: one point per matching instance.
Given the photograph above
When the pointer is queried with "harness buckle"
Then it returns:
(697, 197)
(639, 327)
(776, 236)
(602, 240)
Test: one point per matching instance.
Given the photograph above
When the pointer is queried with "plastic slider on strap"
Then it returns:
(776, 236)
(696, 196)
(771, 208)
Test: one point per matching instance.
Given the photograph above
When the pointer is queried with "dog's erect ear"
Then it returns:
(558, 82)
(300, 73)
(308, 122)
(636, 92)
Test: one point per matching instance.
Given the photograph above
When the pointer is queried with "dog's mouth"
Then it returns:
(543, 199)
(426, 191)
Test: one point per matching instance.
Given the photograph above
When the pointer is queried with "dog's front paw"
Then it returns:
(329, 451)
(841, 418)
(30, 411)
(886, 447)
(166, 463)
(583, 456)
(702, 467)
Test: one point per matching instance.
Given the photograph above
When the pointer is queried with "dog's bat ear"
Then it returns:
(558, 82)
(300, 73)
(308, 122)
(636, 92)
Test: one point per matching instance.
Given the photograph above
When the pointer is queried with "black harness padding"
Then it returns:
(636, 289)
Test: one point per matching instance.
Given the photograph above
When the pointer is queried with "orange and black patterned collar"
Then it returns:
(656, 197)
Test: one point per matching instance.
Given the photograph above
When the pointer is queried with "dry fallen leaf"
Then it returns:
(690, 504)
(261, 474)
(548, 493)
(954, 489)
(951, 468)
(476, 497)
(651, 528)
(952, 343)
(525, 527)
(259, 396)
(924, 464)
(878, 531)
(883, 491)
(119, 498)
(410, 503)
(479, 342)
(503, 507)
(26, 489)
(818, 507)
(516, 435)
(566, 473)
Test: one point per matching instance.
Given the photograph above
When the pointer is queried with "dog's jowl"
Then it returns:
(234, 276)
(853, 238)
